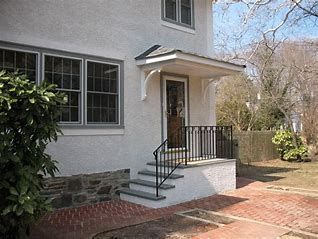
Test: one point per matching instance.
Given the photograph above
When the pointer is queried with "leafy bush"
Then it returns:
(285, 146)
(28, 122)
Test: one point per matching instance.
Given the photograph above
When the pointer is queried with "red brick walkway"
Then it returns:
(250, 200)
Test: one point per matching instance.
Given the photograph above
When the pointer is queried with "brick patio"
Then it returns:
(251, 200)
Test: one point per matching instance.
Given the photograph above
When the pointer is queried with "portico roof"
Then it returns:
(178, 61)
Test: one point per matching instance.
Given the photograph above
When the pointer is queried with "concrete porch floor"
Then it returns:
(260, 209)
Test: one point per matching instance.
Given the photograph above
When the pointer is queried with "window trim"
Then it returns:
(42, 51)
(178, 14)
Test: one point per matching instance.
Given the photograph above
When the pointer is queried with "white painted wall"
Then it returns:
(201, 181)
(119, 29)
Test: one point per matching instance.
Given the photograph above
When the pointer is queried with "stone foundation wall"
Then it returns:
(86, 188)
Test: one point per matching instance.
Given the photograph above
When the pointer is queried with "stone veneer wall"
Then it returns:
(85, 188)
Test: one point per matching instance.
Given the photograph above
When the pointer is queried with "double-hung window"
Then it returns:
(66, 73)
(178, 11)
(92, 85)
(102, 93)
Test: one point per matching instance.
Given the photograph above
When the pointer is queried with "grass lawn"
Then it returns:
(282, 173)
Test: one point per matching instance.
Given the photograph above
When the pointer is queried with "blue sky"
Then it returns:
(228, 25)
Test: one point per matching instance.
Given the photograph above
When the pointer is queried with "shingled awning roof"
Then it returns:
(161, 54)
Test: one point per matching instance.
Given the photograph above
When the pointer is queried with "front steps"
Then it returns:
(143, 190)
(194, 181)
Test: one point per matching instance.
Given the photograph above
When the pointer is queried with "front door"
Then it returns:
(175, 110)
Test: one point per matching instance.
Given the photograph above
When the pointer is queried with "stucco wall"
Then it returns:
(119, 29)
(200, 181)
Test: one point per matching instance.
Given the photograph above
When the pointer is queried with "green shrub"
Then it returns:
(28, 122)
(285, 146)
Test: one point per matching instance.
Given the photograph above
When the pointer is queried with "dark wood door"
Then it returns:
(175, 95)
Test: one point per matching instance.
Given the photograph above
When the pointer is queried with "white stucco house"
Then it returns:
(139, 76)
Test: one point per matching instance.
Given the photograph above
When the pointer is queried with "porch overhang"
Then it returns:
(175, 61)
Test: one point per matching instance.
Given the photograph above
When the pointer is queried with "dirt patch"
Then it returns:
(172, 227)
(283, 173)
(209, 216)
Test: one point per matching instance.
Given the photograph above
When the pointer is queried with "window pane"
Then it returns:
(98, 84)
(57, 80)
(66, 81)
(90, 83)
(112, 101)
(48, 63)
(75, 82)
(65, 73)
(20, 60)
(58, 65)
(90, 69)
(48, 77)
(171, 9)
(31, 61)
(112, 116)
(76, 67)
(96, 100)
(67, 66)
(65, 117)
(105, 85)
(186, 12)
(24, 63)
(96, 115)
(102, 92)
(74, 99)
(9, 59)
(1, 59)
(74, 114)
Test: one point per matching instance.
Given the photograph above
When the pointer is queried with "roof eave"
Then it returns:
(177, 55)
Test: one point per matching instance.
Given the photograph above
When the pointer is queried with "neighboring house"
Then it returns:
(136, 72)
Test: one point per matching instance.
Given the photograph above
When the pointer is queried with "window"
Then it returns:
(178, 11)
(65, 73)
(23, 62)
(102, 93)
(92, 85)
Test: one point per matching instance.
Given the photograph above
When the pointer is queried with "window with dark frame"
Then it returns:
(102, 93)
(22, 62)
(65, 73)
(178, 11)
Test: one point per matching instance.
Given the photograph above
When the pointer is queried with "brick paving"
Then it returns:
(250, 200)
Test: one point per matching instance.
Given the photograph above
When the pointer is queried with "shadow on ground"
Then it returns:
(262, 173)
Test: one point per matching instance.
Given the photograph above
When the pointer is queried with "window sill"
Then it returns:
(82, 131)
(177, 27)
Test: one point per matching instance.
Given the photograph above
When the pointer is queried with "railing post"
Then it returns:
(186, 145)
(157, 183)
(231, 142)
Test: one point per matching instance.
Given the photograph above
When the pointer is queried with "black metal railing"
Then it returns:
(189, 144)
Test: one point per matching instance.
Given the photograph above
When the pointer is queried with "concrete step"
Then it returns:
(149, 186)
(141, 194)
(153, 174)
(151, 166)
